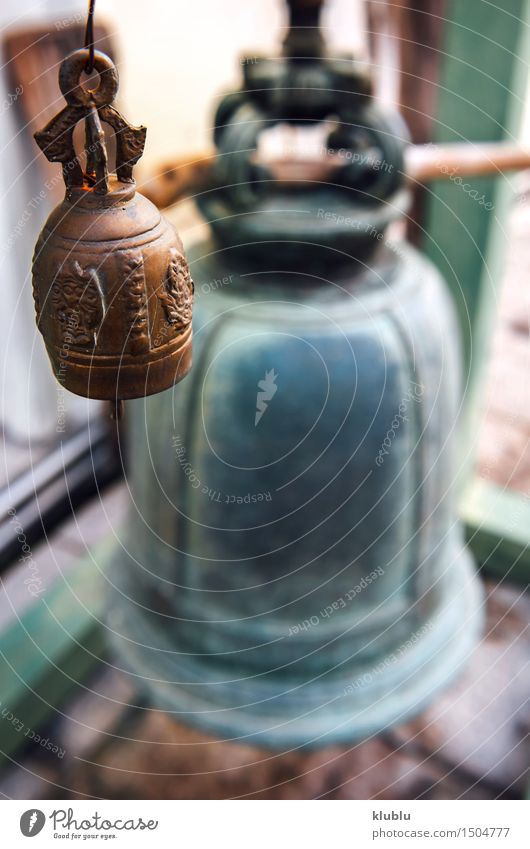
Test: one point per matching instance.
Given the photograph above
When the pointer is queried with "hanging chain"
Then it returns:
(89, 36)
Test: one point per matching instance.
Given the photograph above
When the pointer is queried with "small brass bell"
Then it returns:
(112, 288)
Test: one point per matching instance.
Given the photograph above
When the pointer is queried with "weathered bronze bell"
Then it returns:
(299, 576)
(112, 288)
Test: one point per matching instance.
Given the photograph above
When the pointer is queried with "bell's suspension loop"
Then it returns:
(373, 155)
(305, 87)
(93, 106)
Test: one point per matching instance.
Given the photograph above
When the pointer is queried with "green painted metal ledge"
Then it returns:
(47, 653)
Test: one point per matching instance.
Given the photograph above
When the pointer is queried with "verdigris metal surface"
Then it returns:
(293, 572)
(246, 607)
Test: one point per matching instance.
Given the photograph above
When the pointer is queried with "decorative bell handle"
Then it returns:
(56, 140)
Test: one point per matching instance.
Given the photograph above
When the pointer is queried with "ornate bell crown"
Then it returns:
(112, 288)
(304, 87)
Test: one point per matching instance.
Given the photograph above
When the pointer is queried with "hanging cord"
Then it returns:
(89, 36)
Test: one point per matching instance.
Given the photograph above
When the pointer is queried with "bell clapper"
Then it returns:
(116, 409)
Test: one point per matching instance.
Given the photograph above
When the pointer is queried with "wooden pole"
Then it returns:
(426, 163)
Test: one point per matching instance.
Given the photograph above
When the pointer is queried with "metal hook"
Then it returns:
(89, 36)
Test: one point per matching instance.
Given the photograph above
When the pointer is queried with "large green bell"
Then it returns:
(293, 572)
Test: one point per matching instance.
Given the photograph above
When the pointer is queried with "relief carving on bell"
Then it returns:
(112, 289)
